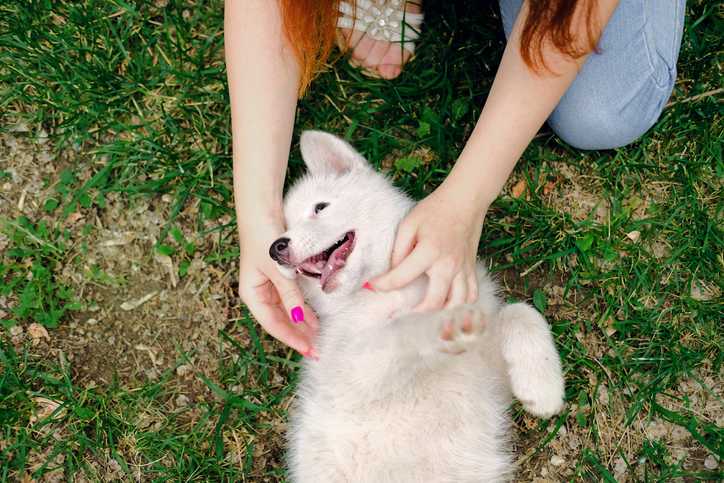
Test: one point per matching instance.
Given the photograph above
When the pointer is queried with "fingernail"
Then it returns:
(311, 353)
(297, 315)
(368, 286)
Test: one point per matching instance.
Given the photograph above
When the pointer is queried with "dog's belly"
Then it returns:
(446, 424)
(446, 427)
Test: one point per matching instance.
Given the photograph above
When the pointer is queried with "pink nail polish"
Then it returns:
(367, 286)
(311, 353)
(297, 315)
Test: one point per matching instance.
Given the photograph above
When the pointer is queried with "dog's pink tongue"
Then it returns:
(335, 262)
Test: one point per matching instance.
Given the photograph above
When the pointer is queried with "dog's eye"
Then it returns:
(319, 207)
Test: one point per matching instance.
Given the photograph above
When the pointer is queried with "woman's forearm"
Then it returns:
(263, 85)
(519, 103)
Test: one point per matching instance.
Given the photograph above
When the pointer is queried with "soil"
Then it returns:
(102, 342)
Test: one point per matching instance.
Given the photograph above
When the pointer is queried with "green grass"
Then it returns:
(137, 427)
(141, 89)
(28, 273)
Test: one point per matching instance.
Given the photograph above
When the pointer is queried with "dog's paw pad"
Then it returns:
(460, 327)
(544, 409)
(542, 395)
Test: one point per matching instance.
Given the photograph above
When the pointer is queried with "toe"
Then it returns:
(375, 54)
(380, 57)
(393, 60)
(359, 44)
(389, 71)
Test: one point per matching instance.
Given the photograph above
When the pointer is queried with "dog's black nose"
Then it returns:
(278, 249)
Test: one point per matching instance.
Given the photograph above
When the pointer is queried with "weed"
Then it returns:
(26, 273)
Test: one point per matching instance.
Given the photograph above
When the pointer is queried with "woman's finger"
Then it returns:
(404, 244)
(293, 300)
(277, 325)
(292, 308)
(473, 287)
(408, 270)
(458, 293)
(440, 277)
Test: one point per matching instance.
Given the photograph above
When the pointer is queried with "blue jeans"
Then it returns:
(620, 93)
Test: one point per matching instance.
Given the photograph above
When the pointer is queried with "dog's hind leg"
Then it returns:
(533, 363)
(387, 357)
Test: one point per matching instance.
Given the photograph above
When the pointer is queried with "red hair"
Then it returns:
(556, 23)
(309, 27)
(310, 31)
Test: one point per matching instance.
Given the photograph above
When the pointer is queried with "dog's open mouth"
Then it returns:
(324, 265)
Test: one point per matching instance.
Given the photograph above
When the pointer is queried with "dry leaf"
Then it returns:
(46, 407)
(151, 354)
(520, 188)
(529, 422)
(702, 292)
(74, 217)
(21, 203)
(110, 243)
(167, 262)
(633, 235)
(712, 461)
(37, 331)
(552, 185)
(127, 237)
(610, 330)
(132, 304)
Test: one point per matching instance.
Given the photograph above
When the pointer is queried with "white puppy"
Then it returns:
(395, 395)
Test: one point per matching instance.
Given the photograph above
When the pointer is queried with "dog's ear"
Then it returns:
(324, 153)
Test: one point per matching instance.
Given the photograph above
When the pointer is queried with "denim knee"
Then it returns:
(608, 120)
(621, 90)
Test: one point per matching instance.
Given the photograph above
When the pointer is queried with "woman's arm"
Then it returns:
(263, 85)
(441, 235)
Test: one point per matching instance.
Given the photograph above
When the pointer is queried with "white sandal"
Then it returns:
(381, 20)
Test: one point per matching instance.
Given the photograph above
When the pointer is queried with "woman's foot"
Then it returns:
(378, 47)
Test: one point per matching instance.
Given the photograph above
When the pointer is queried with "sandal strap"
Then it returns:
(381, 20)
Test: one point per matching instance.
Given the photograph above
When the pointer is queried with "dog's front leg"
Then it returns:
(386, 358)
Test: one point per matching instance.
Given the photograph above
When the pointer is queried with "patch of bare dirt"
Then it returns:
(139, 319)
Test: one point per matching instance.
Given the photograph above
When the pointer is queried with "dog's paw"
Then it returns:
(460, 327)
(544, 404)
(534, 367)
(540, 388)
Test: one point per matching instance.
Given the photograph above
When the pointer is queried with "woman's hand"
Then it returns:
(263, 85)
(272, 298)
(439, 238)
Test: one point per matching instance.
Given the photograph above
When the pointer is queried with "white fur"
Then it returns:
(389, 400)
